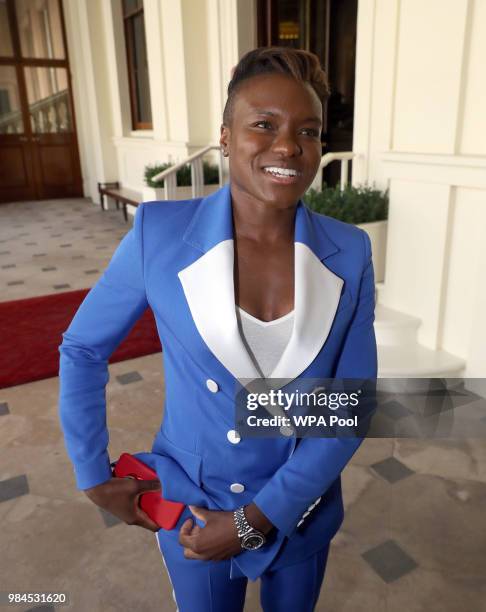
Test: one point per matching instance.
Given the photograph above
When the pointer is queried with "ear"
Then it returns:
(225, 134)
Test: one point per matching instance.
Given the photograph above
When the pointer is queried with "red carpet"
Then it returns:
(30, 334)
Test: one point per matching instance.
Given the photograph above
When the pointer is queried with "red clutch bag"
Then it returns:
(164, 513)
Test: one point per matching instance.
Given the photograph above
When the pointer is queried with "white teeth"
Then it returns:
(280, 171)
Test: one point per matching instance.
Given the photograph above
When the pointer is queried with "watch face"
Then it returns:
(252, 541)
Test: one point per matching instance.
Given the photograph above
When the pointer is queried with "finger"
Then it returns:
(185, 532)
(189, 540)
(131, 484)
(190, 554)
(144, 520)
(186, 527)
(201, 513)
(148, 485)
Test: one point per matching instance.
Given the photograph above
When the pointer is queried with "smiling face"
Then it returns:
(273, 140)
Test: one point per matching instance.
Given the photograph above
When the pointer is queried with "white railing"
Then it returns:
(49, 115)
(195, 160)
(344, 157)
(169, 176)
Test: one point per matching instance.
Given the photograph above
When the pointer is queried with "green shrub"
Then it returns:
(362, 204)
(211, 174)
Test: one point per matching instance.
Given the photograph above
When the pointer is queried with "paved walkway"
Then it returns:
(55, 245)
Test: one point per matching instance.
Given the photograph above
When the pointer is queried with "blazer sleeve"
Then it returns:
(317, 462)
(104, 318)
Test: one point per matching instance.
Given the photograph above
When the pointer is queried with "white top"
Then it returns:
(265, 341)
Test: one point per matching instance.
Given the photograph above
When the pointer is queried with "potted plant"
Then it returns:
(154, 190)
(360, 205)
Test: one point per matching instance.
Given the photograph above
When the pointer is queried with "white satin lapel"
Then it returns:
(316, 297)
(209, 289)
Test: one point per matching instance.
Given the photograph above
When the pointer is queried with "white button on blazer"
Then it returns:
(212, 385)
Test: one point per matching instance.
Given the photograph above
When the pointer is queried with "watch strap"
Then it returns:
(242, 525)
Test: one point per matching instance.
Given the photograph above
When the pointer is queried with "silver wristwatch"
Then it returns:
(250, 538)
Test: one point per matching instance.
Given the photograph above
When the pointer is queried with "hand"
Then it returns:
(217, 540)
(120, 496)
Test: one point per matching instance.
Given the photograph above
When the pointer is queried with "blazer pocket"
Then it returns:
(190, 462)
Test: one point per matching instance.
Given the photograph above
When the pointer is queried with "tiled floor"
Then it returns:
(55, 245)
(414, 535)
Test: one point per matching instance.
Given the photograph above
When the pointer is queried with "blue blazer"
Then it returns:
(178, 259)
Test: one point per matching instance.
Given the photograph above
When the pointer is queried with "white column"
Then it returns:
(155, 56)
(166, 59)
(116, 58)
(84, 32)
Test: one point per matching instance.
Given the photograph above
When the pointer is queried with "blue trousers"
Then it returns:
(205, 586)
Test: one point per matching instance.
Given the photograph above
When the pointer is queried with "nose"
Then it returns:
(285, 143)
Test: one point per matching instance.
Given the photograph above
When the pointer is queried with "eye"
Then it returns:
(312, 132)
(264, 122)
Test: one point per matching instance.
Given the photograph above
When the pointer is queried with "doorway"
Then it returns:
(328, 29)
(39, 155)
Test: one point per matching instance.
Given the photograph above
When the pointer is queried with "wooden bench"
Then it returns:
(120, 195)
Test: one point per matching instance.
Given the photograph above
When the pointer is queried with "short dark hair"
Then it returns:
(301, 65)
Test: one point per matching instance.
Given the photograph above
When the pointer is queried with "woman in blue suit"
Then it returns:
(246, 283)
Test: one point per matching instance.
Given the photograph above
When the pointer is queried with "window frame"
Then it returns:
(128, 17)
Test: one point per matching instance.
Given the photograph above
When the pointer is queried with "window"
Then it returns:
(40, 28)
(138, 77)
(6, 48)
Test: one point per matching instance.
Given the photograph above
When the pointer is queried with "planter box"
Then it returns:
(377, 231)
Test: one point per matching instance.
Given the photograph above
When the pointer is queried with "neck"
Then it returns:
(258, 221)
